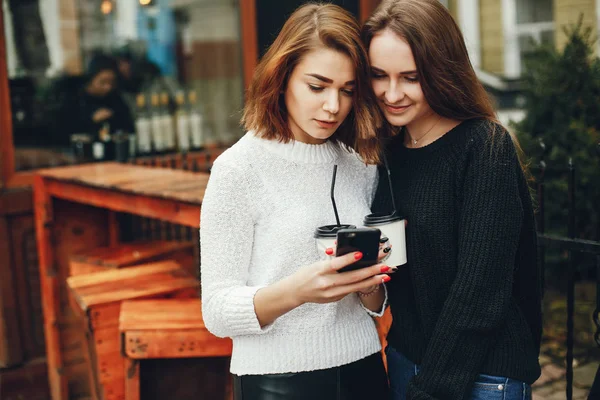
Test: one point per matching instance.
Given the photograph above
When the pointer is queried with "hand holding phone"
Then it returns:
(365, 240)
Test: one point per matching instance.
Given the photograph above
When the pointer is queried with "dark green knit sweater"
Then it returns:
(469, 300)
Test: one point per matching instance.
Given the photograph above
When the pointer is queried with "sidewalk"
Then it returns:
(552, 383)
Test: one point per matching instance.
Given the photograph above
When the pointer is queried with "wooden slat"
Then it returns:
(168, 328)
(17, 201)
(366, 8)
(136, 286)
(26, 270)
(49, 289)
(161, 314)
(28, 382)
(132, 379)
(171, 210)
(249, 39)
(127, 254)
(10, 342)
(174, 343)
(82, 281)
(152, 182)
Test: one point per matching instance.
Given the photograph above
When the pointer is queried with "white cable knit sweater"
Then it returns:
(261, 207)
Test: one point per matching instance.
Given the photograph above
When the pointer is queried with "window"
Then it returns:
(527, 23)
(170, 57)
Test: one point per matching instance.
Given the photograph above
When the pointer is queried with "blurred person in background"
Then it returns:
(92, 102)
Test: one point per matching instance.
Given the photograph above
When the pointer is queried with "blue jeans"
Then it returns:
(486, 387)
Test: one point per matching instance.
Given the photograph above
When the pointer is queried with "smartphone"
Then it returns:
(365, 240)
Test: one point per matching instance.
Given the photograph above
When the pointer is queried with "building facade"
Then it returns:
(500, 34)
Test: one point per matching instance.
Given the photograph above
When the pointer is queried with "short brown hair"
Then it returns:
(309, 27)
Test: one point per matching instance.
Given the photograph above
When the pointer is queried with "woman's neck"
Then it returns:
(427, 130)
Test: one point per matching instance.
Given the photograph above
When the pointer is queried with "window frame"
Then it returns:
(513, 31)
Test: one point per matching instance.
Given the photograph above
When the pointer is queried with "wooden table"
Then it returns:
(75, 210)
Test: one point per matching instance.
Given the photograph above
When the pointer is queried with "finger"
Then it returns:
(359, 275)
(405, 223)
(360, 286)
(383, 252)
(338, 263)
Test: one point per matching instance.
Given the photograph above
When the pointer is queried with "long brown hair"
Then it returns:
(448, 80)
(312, 26)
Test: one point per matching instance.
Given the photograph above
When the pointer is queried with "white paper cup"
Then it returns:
(325, 237)
(392, 227)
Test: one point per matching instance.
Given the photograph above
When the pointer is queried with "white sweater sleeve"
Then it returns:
(226, 238)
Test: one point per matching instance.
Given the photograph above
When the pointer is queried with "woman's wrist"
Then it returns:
(369, 292)
(290, 290)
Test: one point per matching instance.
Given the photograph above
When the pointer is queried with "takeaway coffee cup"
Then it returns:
(392, 227)
(325, 238)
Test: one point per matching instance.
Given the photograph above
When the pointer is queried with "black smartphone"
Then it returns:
(365, 240)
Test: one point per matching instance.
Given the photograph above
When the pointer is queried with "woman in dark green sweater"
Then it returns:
(467, 307)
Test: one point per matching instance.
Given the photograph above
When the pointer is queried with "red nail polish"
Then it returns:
(329, 251)
(385, 268)
(386, 278)
(358, 255)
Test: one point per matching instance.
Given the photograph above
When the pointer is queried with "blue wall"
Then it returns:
(160, 41)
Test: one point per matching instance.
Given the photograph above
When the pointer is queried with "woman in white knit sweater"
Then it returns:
(300, 329)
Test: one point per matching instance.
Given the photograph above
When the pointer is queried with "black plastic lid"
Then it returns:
(381, 219)
(330, 231)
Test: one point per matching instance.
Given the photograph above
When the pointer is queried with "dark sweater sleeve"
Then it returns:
(489, 223)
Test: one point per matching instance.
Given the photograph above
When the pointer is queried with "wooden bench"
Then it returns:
(170, 334)
(97, 298)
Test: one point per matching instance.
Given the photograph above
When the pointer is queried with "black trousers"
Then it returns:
(364, 379)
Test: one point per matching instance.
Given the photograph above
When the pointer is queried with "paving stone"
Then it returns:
(583, 377)
(550, 373)
(554, 371)
(544, 360)
(543, 391)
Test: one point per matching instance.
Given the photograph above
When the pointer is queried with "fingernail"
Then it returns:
(385, 268)
(387, 250)
(386, 278)
(329, 251)
(383, 239)
(358, 255)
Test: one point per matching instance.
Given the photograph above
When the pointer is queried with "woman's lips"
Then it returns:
(326, 124)
(396, 109)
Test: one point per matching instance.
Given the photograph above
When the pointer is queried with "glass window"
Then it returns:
(529, 11)
(105, 79)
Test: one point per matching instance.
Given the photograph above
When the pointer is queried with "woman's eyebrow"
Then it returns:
(327, 80)
(412, 72)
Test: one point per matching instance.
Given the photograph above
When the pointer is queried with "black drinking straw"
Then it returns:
(389, 174)
(337, 217)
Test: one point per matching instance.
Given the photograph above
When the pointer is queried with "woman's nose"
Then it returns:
(332, 104)
(394, 93)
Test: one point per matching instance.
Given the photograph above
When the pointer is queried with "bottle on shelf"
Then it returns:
(183, 123)
(100, 144)
(157, 124)
(196, 122)
(143, 127)
(168, 128)
(105, 137)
